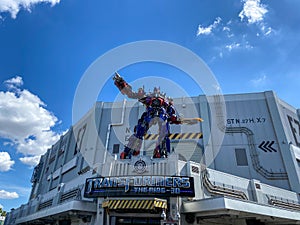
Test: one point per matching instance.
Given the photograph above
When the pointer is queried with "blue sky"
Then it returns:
(45, 48)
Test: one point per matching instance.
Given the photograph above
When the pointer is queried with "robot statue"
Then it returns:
(159, 110)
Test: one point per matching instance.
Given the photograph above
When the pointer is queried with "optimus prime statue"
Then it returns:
(159, 110)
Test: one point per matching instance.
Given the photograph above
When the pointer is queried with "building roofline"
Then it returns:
(230, 206)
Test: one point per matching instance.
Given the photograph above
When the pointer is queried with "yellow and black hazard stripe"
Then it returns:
(160, 203)
(150, 204)
(176, 136)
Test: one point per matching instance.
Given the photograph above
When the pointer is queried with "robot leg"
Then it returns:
(132, 148)
(163, 143)
(135, 141)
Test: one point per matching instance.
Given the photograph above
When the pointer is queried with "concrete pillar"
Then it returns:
(100, 216)
(255, 187)
(208, 157)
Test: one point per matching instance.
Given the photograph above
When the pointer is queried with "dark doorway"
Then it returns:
(137, 221)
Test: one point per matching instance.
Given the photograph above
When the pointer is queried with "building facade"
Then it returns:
(239, 166)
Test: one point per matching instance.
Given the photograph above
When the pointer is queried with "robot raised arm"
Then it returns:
(126, 89)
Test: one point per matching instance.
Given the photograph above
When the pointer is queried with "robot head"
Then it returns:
(156, 90)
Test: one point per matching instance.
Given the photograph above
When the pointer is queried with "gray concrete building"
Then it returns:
(239, 166)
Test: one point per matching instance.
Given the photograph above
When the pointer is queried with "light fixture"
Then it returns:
(178, 215)
(163, 215)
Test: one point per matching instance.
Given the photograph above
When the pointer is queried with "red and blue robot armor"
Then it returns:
(159, 110)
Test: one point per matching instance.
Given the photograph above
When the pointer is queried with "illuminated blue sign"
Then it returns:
(139, 186)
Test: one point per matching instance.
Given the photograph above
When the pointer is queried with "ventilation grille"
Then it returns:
(195, 169)
(45, 204)
(69, 195)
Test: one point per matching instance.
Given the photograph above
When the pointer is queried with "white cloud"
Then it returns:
(14, 82)
(208, 30)
(26, 122)
(247, 45)
(204, 30)
(32, 161)
(253, 11)
(266, 30)
(8, 195)
(244, 45)
(23, 191)
(260, 81)
(232, 46)
(8, 143)
(14, 6)
(228, 31)
(5, 162)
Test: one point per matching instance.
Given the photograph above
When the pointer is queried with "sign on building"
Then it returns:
(131, 186)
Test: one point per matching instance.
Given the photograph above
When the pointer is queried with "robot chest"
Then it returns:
(157, 102)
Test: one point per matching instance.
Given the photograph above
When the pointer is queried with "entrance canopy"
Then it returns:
(135, 204)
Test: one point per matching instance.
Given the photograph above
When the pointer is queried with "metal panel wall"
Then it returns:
(250, 126)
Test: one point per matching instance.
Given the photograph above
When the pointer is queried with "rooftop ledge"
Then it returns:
(67, 207)
(206, 208)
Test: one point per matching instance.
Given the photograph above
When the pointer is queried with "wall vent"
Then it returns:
(195, 169)
(45, 204)
(69, 195)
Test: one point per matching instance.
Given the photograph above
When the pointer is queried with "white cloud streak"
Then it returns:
(26, 122)
(236, 45)
(232, 46)
(8, 195)
(266, 30)
(260, 81)
(207, 30)
(5, 162)
(14, 6)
